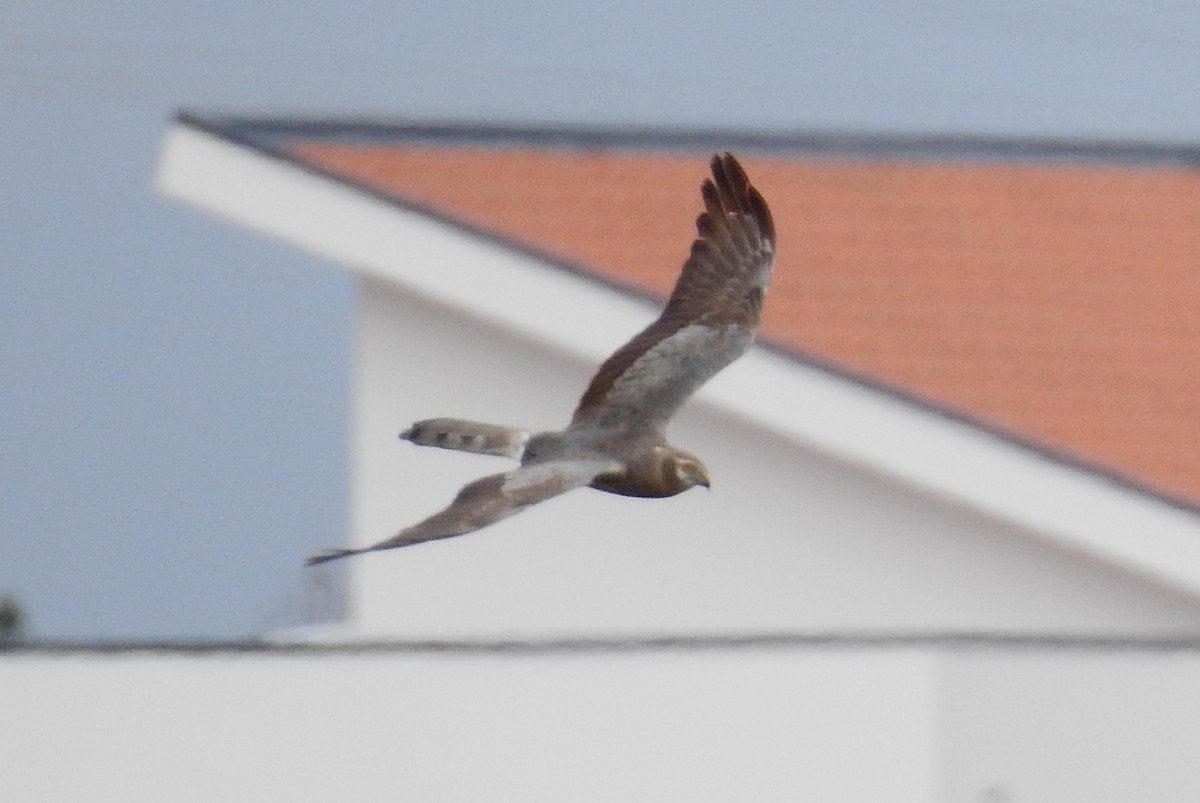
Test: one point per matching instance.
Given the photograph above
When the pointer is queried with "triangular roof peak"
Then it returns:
(1036, 295)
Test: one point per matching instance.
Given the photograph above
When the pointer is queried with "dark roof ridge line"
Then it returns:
(629, 643)
(933, 146)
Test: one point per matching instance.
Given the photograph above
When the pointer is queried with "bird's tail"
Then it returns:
(468, 436)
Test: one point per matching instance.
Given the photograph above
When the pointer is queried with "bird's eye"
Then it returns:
(692, 472)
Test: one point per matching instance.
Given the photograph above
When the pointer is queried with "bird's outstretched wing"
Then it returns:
(709, 320)
(488, 500)
(468, 436)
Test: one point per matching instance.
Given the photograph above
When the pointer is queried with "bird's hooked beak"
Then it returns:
(700, 475)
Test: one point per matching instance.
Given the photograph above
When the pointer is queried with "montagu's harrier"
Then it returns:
(616, 441)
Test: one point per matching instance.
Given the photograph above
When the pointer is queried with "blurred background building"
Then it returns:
(950, 553)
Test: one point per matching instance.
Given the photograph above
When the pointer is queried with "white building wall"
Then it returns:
(852, 726)
(1057, 727)
(786, 539)
(845, 724)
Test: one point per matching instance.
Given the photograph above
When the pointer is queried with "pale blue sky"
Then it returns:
(172, 388)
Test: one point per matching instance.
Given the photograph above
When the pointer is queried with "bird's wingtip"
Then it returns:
(328, 555)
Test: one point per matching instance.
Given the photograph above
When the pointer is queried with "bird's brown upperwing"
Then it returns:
(709, 320)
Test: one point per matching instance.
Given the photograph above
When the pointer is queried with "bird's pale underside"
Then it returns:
(616, 441)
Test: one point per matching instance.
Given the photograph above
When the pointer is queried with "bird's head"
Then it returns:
(688, 470)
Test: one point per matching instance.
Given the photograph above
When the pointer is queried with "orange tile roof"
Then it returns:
(1060, 303)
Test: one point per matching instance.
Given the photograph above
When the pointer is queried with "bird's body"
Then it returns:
(616, 441)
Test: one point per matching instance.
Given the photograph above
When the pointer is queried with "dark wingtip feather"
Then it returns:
(762, 215)
(732, 169)
(712, 197)
(730, 181)
(328, 555)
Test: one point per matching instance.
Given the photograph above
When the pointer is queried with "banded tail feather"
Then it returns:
(468, 436)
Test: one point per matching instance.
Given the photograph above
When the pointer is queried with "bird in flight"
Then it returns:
(616, 441)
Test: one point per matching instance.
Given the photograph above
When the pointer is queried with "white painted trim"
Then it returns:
(836, 415)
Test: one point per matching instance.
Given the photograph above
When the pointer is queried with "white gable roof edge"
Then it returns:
(855, 422)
